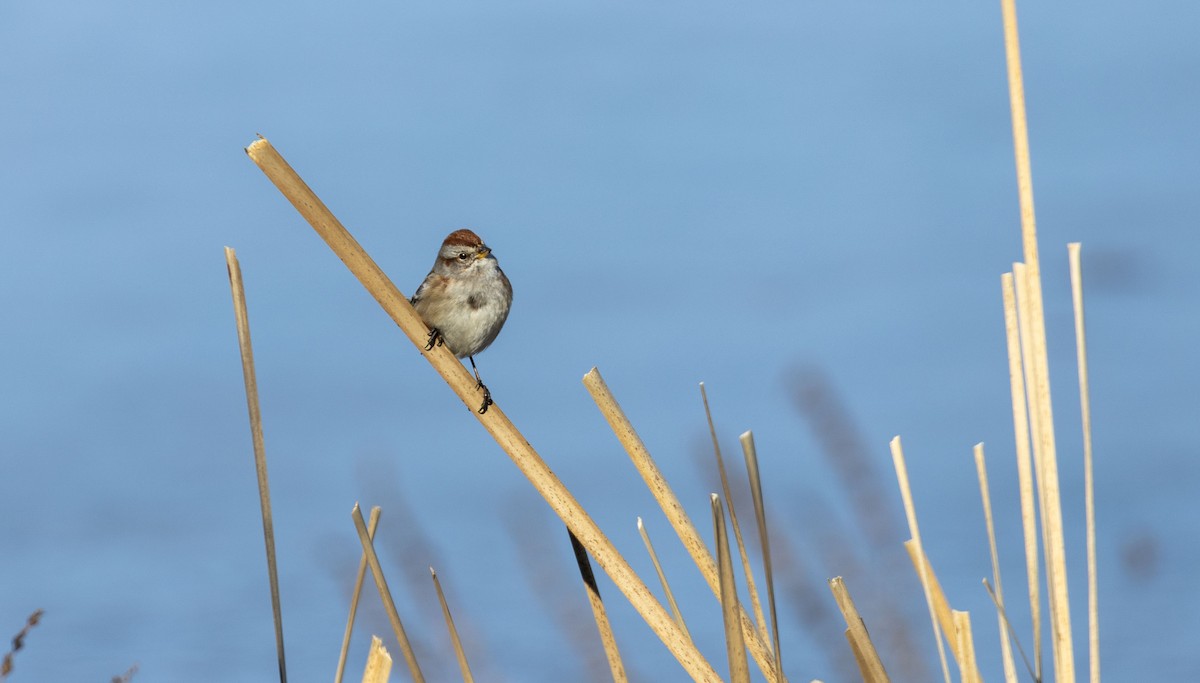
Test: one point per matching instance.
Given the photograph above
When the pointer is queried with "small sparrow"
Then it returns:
(464, 300)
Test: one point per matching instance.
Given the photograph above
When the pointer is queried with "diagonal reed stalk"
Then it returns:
(459, 653)
(599, 613)
(1007, 625)
(256, 436)
(372, 524)
(924, 572)
(662, 577)
(385, 595)
(514, 444)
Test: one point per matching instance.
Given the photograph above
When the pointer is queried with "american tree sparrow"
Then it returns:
(464, 300)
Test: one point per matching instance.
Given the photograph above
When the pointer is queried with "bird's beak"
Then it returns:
(483, 253)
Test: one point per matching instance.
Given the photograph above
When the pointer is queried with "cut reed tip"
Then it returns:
(258, 142)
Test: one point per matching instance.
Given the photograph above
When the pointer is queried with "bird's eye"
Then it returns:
(462, 256)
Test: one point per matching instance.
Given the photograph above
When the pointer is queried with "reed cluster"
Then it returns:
(751, 626)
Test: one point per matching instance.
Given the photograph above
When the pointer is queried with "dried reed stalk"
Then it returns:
(966, 647)
(924, 572)
(750, 453)
(1040, 404)
(459, 652)
(672, 509)
(256, 437)
(860, 659)
(662, 577)
(379, 663)
(1010, 669)
(1045, 462)
(755, 603)
(1052, 547)
(735, 645)
(385, 595)
(372, 524)
(397, 306)
(869, 663)
(1085, 406)
(1029, 523)
(607, 638)
(941, 608)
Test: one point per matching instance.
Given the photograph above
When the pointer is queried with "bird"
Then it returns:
(464, 300)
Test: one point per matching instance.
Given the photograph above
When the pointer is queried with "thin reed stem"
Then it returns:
(755, 603)
(662, 577)
(1089, 486)
(1011, 631)
(735, 645)
(256, 436)
(459, 653)
(750, 453)
(1010, 669)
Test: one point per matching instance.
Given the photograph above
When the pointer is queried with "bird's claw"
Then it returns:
(435, 337)
(487, 397)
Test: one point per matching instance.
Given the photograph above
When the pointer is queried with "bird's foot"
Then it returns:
(435, 338)
(487, 397)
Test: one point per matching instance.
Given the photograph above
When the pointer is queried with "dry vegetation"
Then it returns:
(752, 631)
(18, 642)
